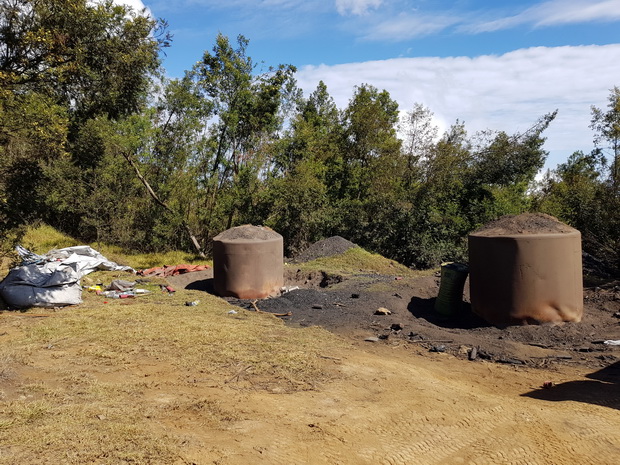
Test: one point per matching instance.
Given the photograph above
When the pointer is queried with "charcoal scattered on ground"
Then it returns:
(348, 307)
(325, 248)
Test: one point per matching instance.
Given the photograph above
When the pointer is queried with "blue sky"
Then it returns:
(492, 64)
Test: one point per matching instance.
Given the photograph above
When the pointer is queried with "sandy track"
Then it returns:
(398, 404)
(397, 407)
(388, 404)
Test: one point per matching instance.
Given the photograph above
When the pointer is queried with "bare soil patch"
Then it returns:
(154, 381)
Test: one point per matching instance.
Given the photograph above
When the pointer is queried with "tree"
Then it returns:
(462, 182)
(298, 204)
(504, 159)
(33, 135)
(306, 159)
(578, 192)
(64, 63)
(368, 184)
(573, 190)
(606, 126)
(314, 131)
(174, 159)
(91, 58)
(437, 218)
(247, 109)
(370, 145)
(419, 134)
(584, 191)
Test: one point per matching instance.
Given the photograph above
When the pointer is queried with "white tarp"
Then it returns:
(86, 260)
(54, 279)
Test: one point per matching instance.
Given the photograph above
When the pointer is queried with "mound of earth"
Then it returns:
(247, 232)
(325, 248)
(526, 223)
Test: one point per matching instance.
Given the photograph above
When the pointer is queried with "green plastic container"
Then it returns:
(450, 298)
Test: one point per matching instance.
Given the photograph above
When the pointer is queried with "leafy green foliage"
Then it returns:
(106, 153)
(32, 135)
(606, 126)
(91, 58)
(65, 66)
(299, 206)
(247, 107)
(585, 191)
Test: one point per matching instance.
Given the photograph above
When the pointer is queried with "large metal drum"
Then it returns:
(526, 269)
(248, 262)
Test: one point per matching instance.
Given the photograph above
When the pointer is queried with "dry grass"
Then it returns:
(83, 390)
(140, 261)
(98, 382)
(205, 337)
(7, 361)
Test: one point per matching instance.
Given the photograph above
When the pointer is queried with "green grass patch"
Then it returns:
(357, 260)
(41, 238)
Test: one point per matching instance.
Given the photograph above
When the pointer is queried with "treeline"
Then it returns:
(97, 143)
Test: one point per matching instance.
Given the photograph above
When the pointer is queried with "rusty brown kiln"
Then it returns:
(248, 262)
(526, 269)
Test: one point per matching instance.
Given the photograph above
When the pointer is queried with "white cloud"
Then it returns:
(137, 5)
(396, 20)
(406, 26)
(356, 7)
(554, 12)
(577, 11)
(507, 92)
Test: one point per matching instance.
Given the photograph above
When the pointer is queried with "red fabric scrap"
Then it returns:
(172, 270)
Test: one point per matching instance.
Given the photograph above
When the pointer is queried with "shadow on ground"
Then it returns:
(463, 319)
(603, 388)
(202, 285)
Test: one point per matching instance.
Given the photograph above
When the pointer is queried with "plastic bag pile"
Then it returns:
(53, 279)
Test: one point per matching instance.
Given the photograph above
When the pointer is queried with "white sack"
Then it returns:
(56, 281)
(41, 286)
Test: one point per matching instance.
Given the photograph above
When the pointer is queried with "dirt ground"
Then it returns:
(348, 307)
(413, 392)
(403, 407)
(404, 388)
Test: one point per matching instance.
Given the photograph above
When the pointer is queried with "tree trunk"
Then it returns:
(156, 198)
